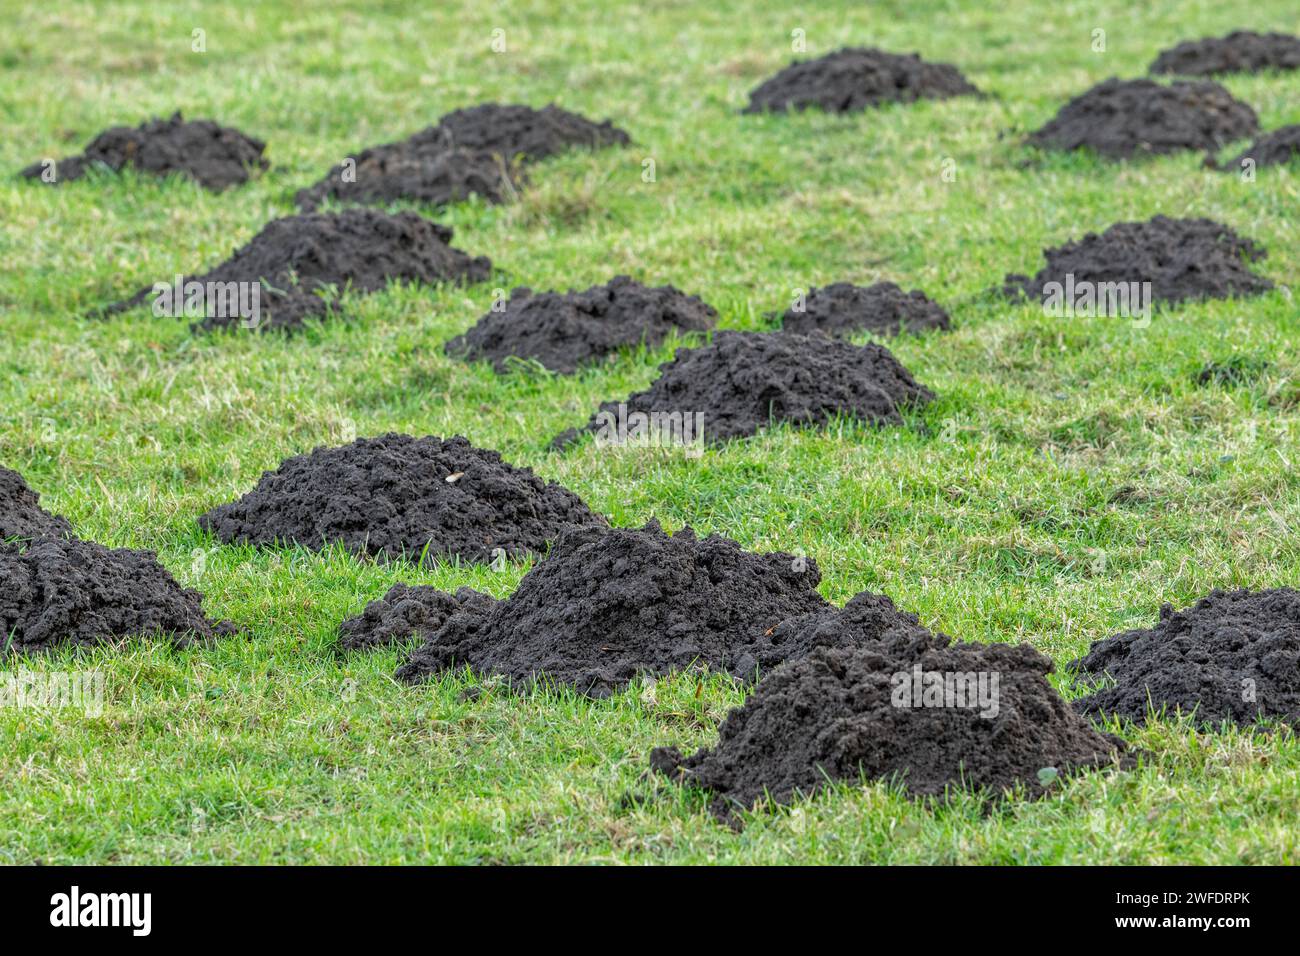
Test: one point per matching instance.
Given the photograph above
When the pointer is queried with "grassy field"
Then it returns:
(1071, 476)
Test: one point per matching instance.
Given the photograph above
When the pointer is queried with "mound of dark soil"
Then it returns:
(1233, 372)
(1181, 258)
(399, 171)
(856, 78)
(21, 514)
(843, 309)
(1123, 118)
(397, 495)
(1239, 52)
(1277, 148)
(851, 712)
(215, 156)
(66, 591)
(564, 331)
(511, 131)
(479, 150)
(609, 605)
(405, 612)
(1233, 656)
(745, 380)
(359, 248)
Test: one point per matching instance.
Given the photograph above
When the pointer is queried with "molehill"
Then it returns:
(1241, 51)
(896, 713)
(1124, 118)
(21, 514)
(1183, 259)
(363, 249)
(59, 591)
(1233, 657)
(397, 495)
(217, 157)
(746, 380)
(404, 612)
(857, 78)
(479, 150)
(1280, 147)
(843, 309)
(564, 331)
(609, 605)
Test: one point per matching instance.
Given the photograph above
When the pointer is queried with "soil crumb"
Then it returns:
(296, 257)
(608, 606)
(1124, 118)
(1241, 51)
(403, 613)
(843, 309)
(857, 78)
(1278, 148)
(395, 495)
(217, 157)
(64, 591)
(745, 380)
(565, 331)
(927, 715)
(1232, 657)
(481, 150)
(1183, 259)
(21, 514)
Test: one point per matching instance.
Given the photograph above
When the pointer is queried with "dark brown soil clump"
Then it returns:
(1124, 118)
(1278, 148)
(610, 605)
(857, 78)
(296, 257)
(1242, 51)
(868, 712)
(21, 514)
(744, 381)
(216, 157)
(395, 495)
(1233, 657)
(403, 613)
(64, 591)
(843, 309)
(481, 150)
(565, 331)
(1183, 259)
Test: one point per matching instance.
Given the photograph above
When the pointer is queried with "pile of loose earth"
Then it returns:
(394, 496)
(745, 380)
(405, 612)
(1124, 118)
(60, 591)
(607, 606)
(21, 514)
(857, 78)
(1232, 657)
(933, 716)
(565, 331)
(1278, 148)
(1183, 259)
(843, 309)
(1242, 51)
(215, 156)
(478, 150)
(294, 257)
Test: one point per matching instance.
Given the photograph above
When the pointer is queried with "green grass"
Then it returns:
(1070, 477)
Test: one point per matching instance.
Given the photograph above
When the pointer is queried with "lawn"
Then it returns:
(1071, 476)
